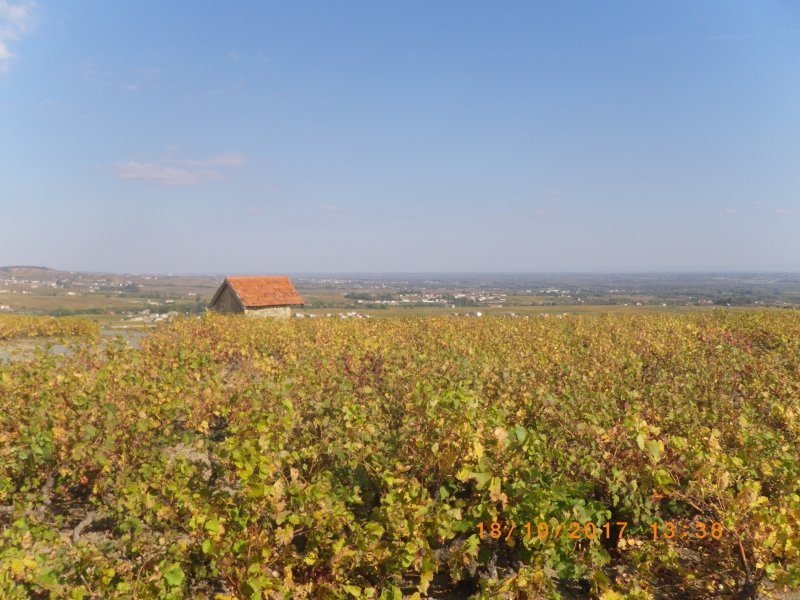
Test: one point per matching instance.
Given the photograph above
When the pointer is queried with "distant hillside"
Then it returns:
(31, 272)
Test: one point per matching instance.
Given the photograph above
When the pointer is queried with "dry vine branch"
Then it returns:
(90, 518)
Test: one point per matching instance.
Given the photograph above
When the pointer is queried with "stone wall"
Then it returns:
(277, 312)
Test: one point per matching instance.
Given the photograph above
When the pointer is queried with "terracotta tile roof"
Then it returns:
(264, 291)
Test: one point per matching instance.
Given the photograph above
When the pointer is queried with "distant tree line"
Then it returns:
(733, 300)
(72, 312)
(366, 297)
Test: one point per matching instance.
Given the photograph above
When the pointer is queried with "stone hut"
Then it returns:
(256, 297)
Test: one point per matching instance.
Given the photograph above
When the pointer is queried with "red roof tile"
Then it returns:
(265, 291)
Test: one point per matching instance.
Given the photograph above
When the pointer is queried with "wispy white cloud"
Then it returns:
(786, 210)
(782, 211)
(222, 160)
(144, 79)
(155, 173)
(16, 19)
(233, 88)
(179, 172)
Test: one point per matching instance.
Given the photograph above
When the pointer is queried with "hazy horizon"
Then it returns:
(410, 273)
(335, 138)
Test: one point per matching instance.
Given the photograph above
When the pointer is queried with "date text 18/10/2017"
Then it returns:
(573, 530)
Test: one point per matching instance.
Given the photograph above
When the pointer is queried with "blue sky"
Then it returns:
(400, 136)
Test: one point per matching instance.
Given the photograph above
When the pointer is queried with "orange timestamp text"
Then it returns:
(611, 530)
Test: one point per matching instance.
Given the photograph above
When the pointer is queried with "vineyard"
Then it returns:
(23, 326)
(428, 458)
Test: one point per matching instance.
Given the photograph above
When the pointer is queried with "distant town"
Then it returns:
(141, 300)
